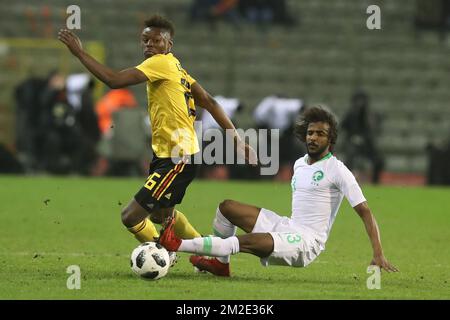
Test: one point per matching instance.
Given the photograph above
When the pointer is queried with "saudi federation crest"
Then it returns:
(317, 176)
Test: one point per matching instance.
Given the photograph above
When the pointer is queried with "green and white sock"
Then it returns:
(211, 246)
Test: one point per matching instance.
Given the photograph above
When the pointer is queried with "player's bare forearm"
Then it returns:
(111, 78)
(372, 230)
(101, 72)
(73, 43)
(108, 76)
(374, 235)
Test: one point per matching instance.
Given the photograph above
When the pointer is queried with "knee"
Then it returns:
(125, 217)
(225, 207)
(129, 217)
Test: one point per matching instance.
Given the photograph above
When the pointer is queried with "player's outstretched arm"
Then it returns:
(373, 232)
(203, 99)
(108, 76)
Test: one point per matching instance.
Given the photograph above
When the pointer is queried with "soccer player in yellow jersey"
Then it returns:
(172, 97)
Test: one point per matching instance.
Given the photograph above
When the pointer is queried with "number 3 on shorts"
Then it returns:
(293, 237)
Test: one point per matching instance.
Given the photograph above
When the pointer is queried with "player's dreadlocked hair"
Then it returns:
(157, 21)
(316, 114)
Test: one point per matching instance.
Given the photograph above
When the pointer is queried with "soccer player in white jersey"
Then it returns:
(319, 183)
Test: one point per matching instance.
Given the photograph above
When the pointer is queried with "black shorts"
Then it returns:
(167, 182)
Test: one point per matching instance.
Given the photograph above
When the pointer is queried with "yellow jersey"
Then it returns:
(171, 106)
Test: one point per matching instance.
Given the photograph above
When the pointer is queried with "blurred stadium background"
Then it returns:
(54, 121)
(314, 50)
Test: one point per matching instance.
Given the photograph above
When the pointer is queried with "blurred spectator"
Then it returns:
(213, 10)
(79, 95)
(114, 104)
(231, 107)
(129, 143)
(262, 12)
(359, 127)
(278, 112)
(57, 129)
(59, 136)
(28, 126)
(266, 11)
(111, 102)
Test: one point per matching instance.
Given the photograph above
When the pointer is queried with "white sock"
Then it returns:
(223, 228)
(211, 246)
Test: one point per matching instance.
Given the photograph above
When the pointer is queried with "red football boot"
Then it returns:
(167, 237)
(211, 265)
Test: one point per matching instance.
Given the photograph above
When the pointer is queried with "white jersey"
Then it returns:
(317, 193)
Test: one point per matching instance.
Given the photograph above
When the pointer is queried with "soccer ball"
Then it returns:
(150, 261)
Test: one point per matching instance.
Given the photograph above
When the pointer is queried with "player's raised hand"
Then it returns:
(381, 262)
(71, 40)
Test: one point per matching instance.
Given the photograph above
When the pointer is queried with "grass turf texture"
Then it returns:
(48, 224)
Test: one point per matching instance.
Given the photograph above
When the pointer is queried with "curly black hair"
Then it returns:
(316, 114)
(158, 21)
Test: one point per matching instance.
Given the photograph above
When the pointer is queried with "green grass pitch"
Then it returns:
(48, 224)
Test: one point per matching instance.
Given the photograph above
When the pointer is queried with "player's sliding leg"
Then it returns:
(259, 244)
(241, 215)
(210, 246)
(172, 243)
(135, 218)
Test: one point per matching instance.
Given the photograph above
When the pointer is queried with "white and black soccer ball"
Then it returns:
(150, 261)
